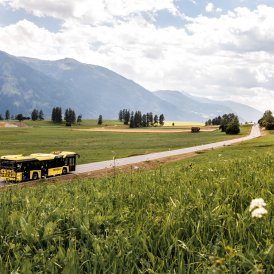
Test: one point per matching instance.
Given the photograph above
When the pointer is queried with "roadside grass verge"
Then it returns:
(186, 217)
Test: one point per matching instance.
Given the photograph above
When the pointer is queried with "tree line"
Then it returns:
(35, 115)
(69, 116)
(267, 121)
(7, 116)
(38, 115)
(228, 123)
(137, 119)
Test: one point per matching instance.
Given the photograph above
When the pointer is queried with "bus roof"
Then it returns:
(38, 156)
(18, 157)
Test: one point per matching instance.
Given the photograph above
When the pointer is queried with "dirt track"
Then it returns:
(121, 130)
(12, 124)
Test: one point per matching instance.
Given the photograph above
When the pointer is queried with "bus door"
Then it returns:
(24, 168)
(44, 168)
(71, 160)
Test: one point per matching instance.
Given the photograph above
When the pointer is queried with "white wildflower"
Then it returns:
(258, 202)
(257, 208)
(258, 212)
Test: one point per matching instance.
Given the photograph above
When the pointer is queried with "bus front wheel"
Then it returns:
(64, 171)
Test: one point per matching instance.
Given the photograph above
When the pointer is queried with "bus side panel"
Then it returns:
(55, 171)
(11, 175)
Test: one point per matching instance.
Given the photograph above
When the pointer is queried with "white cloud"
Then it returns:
(209, 7)
(229, 57)
(89, 12)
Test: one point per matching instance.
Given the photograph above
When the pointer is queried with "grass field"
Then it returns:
(187, 217)
(83, 124)
(98, 146)
(107, 123)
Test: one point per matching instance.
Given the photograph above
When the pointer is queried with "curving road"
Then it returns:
(255, 132)
(84, 168)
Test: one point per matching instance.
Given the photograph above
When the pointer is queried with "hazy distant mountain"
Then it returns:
(96, 90)
(208, 108)
(27, 83)
(23, 88)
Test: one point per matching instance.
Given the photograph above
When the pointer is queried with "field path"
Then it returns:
(255, 132)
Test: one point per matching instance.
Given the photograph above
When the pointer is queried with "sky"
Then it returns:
(221, 50)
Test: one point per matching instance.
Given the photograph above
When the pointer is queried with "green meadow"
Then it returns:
(43, 136)
(191, 216)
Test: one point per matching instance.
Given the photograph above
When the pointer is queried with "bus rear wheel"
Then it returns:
(35, 176)
(64, 171)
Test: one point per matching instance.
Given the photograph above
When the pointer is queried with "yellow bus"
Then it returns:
(18, 168)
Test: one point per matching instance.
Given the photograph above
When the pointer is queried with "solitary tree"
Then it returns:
(120, 115)
(132, 120)
(1, 117)
(233, 126)
(41, 115)
(156, 119)
(79, 119)
(19, 117)
(7, 115)
(226, 119)
(144, 120)
(100, 120)
(126, 116)
(56, 115)
(34, 114)
(150, 118)
(138, 119)
(70, 117)
(161, 119)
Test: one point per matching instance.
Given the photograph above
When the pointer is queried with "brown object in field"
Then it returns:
(195, 129)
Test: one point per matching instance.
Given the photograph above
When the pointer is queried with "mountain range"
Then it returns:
(27, 83)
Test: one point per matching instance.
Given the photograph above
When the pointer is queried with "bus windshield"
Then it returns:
(7, 164)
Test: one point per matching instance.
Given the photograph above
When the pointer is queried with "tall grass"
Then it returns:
(188, 217)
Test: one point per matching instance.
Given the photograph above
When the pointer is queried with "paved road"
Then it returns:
(255, 132)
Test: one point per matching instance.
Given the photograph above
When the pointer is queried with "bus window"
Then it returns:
(71, 161)
(66, 161)
(7, 164)
(51, 164)
(58, 162)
